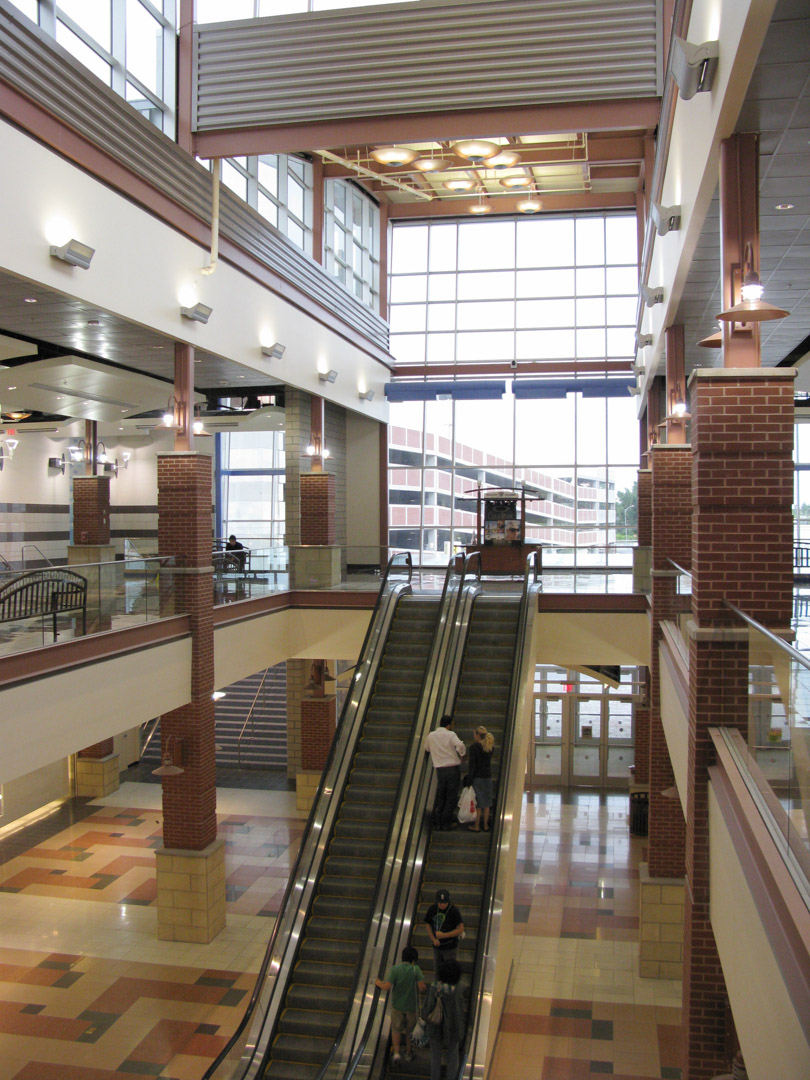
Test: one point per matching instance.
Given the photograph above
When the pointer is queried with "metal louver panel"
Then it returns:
(42, 70)
(474, 54)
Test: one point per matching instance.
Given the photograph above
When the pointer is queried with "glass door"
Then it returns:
(583, 729)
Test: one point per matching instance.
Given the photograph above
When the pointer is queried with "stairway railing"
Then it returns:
(249, 720)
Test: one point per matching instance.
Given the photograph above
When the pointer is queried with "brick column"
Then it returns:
(190, 866)
(642, 552)
(318, 723)
(672, 540)
(742, 536)
(97, 768)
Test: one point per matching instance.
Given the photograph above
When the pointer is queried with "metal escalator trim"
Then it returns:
(240, 1057)
(393, 900)
(472, 1059)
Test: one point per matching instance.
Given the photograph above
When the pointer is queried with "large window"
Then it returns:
(279, 187)
(128, 44)
(219, 10)
(553, 292)
(251, 487)
(352, 240)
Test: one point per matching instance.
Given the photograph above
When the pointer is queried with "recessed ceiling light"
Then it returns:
(784, 206)
(11, 388)
(92, 322)
(29, 300)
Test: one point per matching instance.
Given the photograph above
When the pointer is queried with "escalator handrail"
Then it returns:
(479, 990)
(350, 1042)
(311, 850)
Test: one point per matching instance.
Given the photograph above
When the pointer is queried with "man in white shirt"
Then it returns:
(446, 751)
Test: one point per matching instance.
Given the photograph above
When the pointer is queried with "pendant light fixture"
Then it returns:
(751, 308)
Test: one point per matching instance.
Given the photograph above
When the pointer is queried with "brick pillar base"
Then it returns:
(191, 893)
(660, 926)
(318, 508)
(97, 774)
(91, 509)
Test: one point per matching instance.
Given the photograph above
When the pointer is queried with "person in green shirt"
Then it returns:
(406, 980)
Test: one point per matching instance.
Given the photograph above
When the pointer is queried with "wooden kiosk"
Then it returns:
(501, 530)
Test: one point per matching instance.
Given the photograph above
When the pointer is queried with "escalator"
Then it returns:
(321, 986)
(457, 860)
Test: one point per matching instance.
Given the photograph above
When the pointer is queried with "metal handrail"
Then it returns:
(794, 654)
(249, 718)
(275, 968)
(41, 554)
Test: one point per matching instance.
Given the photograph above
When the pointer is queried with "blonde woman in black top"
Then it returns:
(480, 776)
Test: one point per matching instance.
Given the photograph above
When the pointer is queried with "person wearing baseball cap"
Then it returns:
(445, 928)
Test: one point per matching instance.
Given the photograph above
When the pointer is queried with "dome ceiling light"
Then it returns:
(515, 182)
(394, 155)
(531, 204)
(476, 150)
(430, 164)
(507, 159)
(459, 185)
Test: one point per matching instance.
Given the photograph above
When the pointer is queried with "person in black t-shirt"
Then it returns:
(445, 928)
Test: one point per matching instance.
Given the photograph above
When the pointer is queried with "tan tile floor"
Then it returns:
(87, 992)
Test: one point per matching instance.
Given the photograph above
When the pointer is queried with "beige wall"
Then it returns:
(362, 488)
(771, 1037)
(567, 638)
(36, 789)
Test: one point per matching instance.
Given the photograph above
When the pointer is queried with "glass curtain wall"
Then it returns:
(250, 468)
(279, 187)
(128, 44)
(352, 240)
(801, 487)
(552, 292)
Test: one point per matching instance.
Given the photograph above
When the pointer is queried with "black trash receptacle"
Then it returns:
(639, 812)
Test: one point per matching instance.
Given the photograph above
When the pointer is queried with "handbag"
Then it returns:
(419, 1035)
(436, 1014)
(466, 806)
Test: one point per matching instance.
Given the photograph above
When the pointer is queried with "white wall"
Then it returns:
(568, 638)
(142, 268)
(38, 788)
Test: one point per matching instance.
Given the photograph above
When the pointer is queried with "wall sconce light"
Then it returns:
(315, 449)
(77, 450)
(173, 416)
(101, 454)
(643, 340)
(275, 351)
(366, 395)
(652, 294)
(665, 218)
(11, 446)
(694, 66)
(751, 308)
(112, 467)
(199, 313)
(633, 391)
(172, 752)
(125, 458)
(327, 376)
(197, 426)
(319, 675)
(75, 253)
(59, 463)
(639, 369)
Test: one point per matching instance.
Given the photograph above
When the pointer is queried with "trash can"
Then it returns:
(639, 812)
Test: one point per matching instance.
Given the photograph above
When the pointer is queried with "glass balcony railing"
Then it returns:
(776, 763)
(55, 604)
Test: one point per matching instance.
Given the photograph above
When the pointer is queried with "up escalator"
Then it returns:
(321, 986)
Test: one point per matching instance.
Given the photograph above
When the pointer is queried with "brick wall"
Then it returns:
(318, 723)
(671, 511)
(98, 750)
(318, 508)
(184, 530)
(644, 508)
(91, 509)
